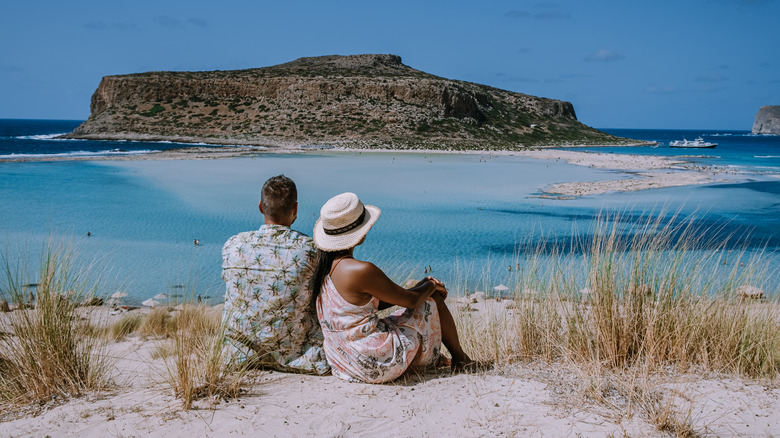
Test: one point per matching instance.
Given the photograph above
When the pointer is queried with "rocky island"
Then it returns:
(359, 101)
(767, 120)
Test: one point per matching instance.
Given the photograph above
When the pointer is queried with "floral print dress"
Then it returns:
(361, 347)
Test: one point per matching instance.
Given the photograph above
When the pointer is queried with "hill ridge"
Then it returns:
(369, 101)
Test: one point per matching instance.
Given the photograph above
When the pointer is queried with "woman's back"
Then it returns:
(358, 345)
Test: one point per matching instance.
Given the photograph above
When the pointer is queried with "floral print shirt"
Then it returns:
(268, 314)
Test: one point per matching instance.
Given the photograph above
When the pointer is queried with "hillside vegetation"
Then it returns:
(366, 101)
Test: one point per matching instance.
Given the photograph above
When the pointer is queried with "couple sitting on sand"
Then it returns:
(276, 277)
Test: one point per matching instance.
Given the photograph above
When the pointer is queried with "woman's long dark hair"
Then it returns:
(324, 261)
(322, 264)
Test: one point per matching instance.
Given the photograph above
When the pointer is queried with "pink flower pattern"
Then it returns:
(361, 347)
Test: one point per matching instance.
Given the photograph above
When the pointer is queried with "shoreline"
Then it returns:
(638, 172)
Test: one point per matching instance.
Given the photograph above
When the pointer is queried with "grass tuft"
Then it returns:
(126, 325)
(50, 353)
(623, 300)
(196, 365)
(646, 297)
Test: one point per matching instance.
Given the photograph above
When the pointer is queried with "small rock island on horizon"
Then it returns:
(362, 101)
(767, 120)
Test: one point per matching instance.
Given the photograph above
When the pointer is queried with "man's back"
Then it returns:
(268, 313)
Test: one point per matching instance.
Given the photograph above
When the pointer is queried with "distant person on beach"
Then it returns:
(359, 345)
(269, 316)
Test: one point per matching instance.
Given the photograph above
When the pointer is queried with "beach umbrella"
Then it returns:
(160, 297)
(151, 303)
(118, 295)
(500, 288)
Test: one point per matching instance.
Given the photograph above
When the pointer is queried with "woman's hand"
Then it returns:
(425, 280)
(440, 288)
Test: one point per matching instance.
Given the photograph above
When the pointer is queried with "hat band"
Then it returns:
(349, 227)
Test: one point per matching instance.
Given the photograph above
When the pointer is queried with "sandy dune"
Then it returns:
(533, 399)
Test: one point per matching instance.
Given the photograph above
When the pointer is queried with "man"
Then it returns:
(268, 315)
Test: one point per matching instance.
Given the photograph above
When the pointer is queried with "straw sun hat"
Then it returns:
(343, 222)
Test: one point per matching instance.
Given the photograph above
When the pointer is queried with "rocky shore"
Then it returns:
(767, 120)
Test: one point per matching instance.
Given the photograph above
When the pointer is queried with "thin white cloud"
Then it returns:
(507, 78)
(742, 4)
(101, 25)
(673, 89)
(197, 22)
(662, 89)
(749, 3)
(518, 14)
(552, 15)
(576, 76)
(168, 22)
(604, 55)
(174, 23)
(540, 11)
(8, 68)
(710, 78)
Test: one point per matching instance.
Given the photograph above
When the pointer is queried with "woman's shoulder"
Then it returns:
(360, 267)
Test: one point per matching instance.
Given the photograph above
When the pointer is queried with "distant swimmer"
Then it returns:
(88, 234)
(196, 242)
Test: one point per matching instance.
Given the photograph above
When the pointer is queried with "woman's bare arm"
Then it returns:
(358, 281)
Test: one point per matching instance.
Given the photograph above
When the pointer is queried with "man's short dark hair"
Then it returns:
(278, 196)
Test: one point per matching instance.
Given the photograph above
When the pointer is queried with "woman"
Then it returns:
(359, 346)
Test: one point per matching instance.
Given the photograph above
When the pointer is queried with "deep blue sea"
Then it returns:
(466, 216)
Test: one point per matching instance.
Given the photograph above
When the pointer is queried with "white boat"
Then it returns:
(697, 143)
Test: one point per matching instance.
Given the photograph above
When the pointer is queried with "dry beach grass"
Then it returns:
(619, 333)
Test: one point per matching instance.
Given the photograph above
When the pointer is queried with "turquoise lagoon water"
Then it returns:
(462, 215)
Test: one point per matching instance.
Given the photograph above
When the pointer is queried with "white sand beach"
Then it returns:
(523, 399)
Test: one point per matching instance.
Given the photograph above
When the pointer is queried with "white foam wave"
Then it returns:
(745, 134)
(766, 156)
(78, 154)
(47, 137)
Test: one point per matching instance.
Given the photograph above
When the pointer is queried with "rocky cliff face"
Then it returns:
(360, 100)
(767, 120)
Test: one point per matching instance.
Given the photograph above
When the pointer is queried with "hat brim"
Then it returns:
(338, 242)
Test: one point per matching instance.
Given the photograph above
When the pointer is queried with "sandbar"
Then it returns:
(637, 172)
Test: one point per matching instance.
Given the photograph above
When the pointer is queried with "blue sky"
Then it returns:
(699, 64)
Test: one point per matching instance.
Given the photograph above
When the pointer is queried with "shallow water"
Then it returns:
(465, 216)
(454, 213)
